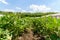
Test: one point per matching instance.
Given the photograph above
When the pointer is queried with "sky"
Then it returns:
(30, 5)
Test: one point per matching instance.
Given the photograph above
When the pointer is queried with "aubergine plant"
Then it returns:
(13, 25)
(5, 35)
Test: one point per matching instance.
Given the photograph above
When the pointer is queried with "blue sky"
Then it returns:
(30, 5)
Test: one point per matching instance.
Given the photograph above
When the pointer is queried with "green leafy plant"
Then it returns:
(4, 35)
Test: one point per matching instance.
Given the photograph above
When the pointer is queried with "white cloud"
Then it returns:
(18, 8)
(12, 10)
(23, 11)
(31, 8)
(4, 1)
(56, 11)
(39, 8)
(34, 8)
(9, 10)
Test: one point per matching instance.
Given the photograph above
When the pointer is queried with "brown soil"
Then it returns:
(28, 35)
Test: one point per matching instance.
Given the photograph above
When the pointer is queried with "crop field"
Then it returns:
(29, 26)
